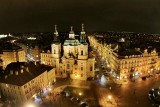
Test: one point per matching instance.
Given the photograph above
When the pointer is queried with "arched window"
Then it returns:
(81, 52)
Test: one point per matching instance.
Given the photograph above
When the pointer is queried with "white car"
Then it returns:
(106, 74)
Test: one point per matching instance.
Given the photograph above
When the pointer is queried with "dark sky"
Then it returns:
(97, 15)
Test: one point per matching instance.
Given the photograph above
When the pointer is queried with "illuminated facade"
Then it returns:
(22, 81)
(71, 59)
(12, 55)
(129, 63)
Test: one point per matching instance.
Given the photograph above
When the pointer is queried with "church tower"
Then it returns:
(83, 35)
(56, 45)
(55, 33)
(71, 34)
(83, 47)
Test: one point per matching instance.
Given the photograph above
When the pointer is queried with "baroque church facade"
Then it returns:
(76, 62)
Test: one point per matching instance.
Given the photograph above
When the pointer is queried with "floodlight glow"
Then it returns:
(30, 105)
(103, 80)
(80, 93)
(50, 89)
(109, 97)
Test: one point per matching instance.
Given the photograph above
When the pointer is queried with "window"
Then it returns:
(82, 75)
(91, 68)
(81, 52)
(25, 86)
(54, 51)
(81, 68)
(67, 66)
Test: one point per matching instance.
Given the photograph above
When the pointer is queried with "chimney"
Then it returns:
(22, 66)
(16, 72)
(21, 70)
(27, 69)
(11, 72)
(5, 76)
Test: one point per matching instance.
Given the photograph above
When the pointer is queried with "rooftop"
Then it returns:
(9, 47)
(72, 42)
(25, 72)
(128, 52)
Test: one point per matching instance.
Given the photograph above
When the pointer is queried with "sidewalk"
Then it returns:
(106, 99)
(73, 83)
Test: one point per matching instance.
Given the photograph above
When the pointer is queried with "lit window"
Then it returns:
(6, 85)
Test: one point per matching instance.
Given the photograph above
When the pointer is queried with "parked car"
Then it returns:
(106, 74)
(143, 78)
(74, 99)
(83, 104)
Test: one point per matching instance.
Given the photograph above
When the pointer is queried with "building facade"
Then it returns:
(129, 63)
(12, 55)
(70, 59)
(23, 81)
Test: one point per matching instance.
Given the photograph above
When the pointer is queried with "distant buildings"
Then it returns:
(71, 59)
(11, 53)
(22, 81)
(127, 63)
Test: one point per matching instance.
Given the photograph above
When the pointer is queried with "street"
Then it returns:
(132, 94)
(135, 94)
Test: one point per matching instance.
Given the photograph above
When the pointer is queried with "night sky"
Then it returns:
(97, 15)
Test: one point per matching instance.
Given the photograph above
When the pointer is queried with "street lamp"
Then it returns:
(80, 94)
(30, 105)
(49, 89)
(110, 98)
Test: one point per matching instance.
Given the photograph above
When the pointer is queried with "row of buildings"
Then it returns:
(11, 53)
(21, 80)
(127, 63)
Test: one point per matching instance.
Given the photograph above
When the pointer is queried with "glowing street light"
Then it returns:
(49, 89)
(109, 97)
(80, 94)
(30, 105)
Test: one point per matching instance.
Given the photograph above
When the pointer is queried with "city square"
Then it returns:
(83, 53)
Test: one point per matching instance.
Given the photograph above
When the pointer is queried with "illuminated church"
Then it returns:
(71, 59)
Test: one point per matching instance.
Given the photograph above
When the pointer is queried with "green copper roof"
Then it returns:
(72, 42)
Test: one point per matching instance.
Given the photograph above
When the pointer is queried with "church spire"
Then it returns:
(82, 27)
(71, 34)
(55, 33)
(83, 35)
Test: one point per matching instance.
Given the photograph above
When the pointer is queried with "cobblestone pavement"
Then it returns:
(103, 94)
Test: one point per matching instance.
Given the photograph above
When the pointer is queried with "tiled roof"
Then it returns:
(30, 71)
(129, 52)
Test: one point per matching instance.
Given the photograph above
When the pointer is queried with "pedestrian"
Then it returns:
(110, 87)
(134, 91)
(137, 102)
